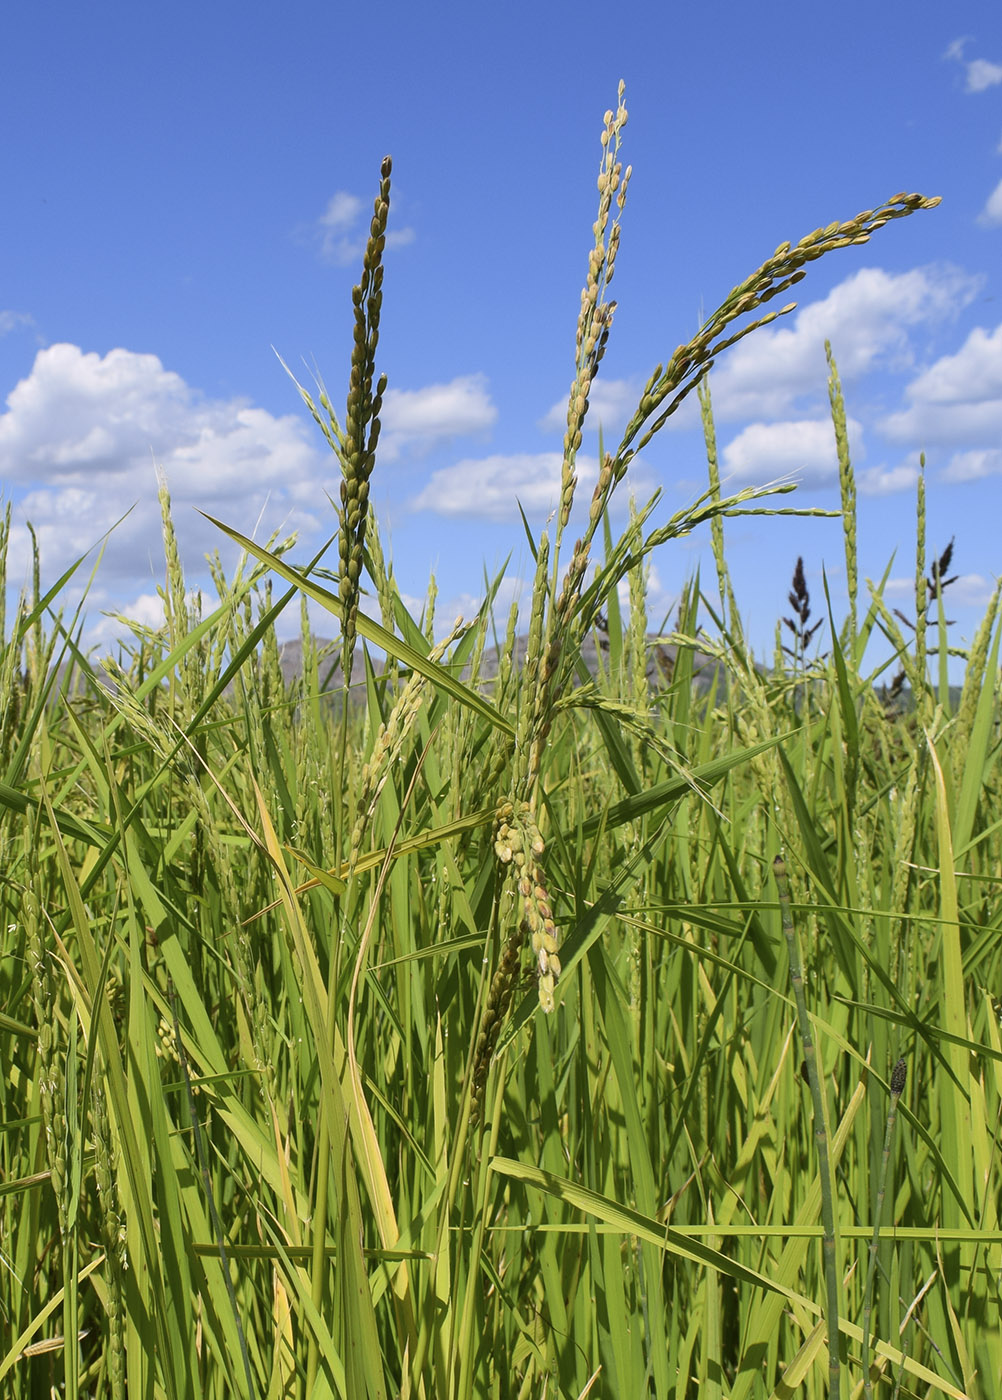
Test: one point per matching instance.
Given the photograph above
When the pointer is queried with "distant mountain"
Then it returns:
(661, 662)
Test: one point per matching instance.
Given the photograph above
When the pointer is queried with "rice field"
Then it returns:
(450, 1027)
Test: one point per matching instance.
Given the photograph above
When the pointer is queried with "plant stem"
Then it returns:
(897, 1087)
(828, 1249)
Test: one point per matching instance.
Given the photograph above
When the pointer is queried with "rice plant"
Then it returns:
(435, 1038)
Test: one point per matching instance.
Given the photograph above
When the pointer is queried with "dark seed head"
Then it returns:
(898, 1075)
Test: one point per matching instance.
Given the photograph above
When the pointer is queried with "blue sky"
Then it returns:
(186, 187)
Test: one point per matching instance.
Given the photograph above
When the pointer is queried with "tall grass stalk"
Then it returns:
(847, 492)
(829, 1243)
(897, 1086)
(728, 608)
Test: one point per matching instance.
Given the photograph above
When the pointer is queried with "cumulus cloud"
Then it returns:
(970, 590)
(867, 318)
(979, 462)
(341, 231)
(82, 432)
(119, 619)
(418, 419)
(491, 488)
(336, 222)
(991, 214)
(979, 73)
(982, 75)
(80, 419)
(888, 481)
(958, 400)
(967, 591)
(763, 452)
(610, 404)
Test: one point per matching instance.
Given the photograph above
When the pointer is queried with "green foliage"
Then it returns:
(286, 1110)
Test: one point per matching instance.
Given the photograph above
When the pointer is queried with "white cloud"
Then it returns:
(958, 400)
(763, 452)
(969, 591)
(13, 320)
(342, 230)
(82, 435)
(974, 465)
(867, 319)
(147, 610)
(490, 488)
(991, 214)
(900, 587)
(82, 420)
(982, 75)
(82, 432)
(888, 481)
(342, 211)
(610, 404)
(420, 418)
(966, 591)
